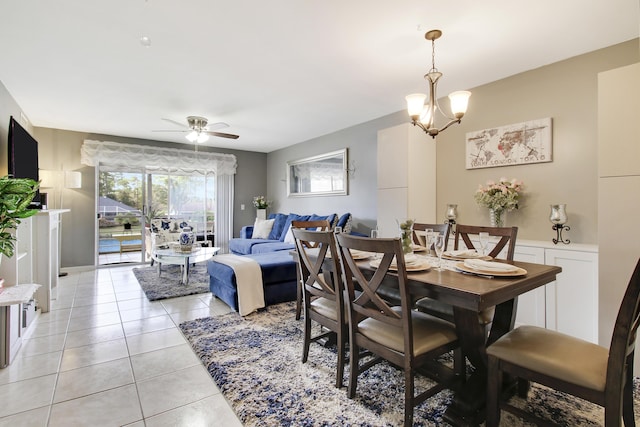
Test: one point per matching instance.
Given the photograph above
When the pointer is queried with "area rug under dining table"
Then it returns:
(168, 284)
(256, 363)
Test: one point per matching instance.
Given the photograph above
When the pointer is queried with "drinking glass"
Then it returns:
(337, 230)
(374, 233)
(426, 237)
(439, 247)
(484, 242)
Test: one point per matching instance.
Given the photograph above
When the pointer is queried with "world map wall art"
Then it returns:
(510, 145)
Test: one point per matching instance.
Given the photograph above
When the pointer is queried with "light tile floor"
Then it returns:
(106, 356)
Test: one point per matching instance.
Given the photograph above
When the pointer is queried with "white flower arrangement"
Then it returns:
(260, 202)
(500, 196)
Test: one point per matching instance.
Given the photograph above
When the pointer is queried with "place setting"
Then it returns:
(489, 268)
(411, 261)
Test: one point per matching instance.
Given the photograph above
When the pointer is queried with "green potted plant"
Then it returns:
(15, 196)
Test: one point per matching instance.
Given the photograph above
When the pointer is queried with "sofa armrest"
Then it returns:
(246, 232)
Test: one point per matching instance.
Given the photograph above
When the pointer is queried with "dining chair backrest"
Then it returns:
(314, 248)
(623, 340)
(507, 237)
(322, 289)
(317, 225)
(370, 304)
(443, 228)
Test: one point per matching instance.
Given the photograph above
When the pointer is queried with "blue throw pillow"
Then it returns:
(287, 224)
(278, 225)
(331, 218)
(345, 223)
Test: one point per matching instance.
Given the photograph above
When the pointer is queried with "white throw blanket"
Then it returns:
(248, 280)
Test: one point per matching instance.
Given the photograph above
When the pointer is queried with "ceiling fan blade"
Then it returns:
(172, 130)
(216, 126)
(223, 135)
(182, 125)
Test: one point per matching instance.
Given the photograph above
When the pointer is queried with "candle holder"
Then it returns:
(558, 218)
(451, 215)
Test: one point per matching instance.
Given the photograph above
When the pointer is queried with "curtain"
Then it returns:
(224, 211)
(120, 156)
(133, 156)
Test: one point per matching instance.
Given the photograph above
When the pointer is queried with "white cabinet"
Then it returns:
(570, 303)
(406, 177)
(46, 261)
(531, 305)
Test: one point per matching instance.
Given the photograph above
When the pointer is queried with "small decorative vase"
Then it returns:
(406, 235)
(496, 217)
(261, 213)
(186, 239)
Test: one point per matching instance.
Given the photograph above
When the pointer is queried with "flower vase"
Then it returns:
(186, 239)
(406, 235)
(261, 213)
(496, 217)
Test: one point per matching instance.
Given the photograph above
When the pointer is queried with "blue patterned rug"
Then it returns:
(255, 361)
(168, 284)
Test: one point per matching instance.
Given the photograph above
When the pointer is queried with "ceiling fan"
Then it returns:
(199, 130)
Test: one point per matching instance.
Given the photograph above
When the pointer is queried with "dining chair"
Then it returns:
(507, 238)
(404, 337)
(323, 295)
(571, 365)
(444, 229)
(318, 225)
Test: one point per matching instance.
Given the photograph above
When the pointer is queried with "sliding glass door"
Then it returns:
(128, 201)
(120, 221)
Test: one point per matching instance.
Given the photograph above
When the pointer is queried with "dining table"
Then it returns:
(470, 294)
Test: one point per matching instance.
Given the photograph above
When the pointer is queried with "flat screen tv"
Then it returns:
(23, 156)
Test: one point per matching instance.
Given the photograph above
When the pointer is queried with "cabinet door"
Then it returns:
(392, 204)
(531, 305)
(572, 300)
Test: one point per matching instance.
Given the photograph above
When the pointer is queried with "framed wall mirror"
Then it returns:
(321, 175)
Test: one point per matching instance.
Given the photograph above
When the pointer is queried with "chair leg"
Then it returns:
(341, 335)
(494, 382)
(408, 397)
(307, 336)
(627, 395)
(354, 365)
(459, 363)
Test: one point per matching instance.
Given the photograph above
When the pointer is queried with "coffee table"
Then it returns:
(184, 259)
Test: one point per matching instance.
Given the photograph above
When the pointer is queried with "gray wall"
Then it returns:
(565, 91)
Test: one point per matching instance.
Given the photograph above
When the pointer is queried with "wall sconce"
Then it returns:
(351, 168)
(451, 215)
(558, 218)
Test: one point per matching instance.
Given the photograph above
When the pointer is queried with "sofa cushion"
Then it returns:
(243, 246)
(333, 219)
(262, 228)
(278, 225)
(345, 223)
(290, 218)
(272, 246)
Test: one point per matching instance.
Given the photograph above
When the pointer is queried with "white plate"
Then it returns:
(517, 272)
(450, 255)
(415, 266)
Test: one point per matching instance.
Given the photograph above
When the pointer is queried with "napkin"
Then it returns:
(478, 264)
(463, 253)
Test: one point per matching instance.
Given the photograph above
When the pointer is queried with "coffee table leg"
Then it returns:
(185, 271)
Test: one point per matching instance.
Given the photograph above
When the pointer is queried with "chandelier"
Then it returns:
(423, 114)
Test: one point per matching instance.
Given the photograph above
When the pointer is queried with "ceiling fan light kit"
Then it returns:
(423, 114)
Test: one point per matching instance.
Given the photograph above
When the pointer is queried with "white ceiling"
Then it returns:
(278, 72)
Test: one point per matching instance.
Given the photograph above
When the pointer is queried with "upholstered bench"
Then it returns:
(278, 277)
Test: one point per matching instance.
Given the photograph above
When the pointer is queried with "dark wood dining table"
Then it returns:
(469, 295)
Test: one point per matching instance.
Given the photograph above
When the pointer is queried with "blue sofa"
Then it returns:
(245, 245)
(279, 275)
